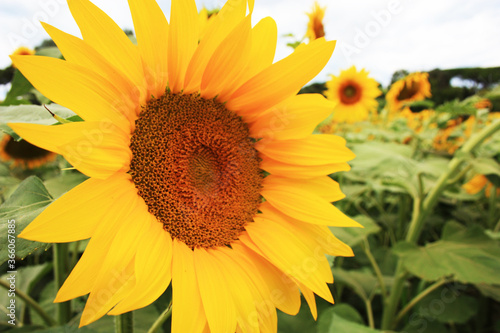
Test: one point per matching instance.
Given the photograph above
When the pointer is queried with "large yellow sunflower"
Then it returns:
(177, 134)
(315, 27)
(354, 93)
(414, 87)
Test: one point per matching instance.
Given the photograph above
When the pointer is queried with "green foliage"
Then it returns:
(466, 254)
(26, 203)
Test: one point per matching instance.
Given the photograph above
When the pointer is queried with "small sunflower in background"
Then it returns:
(483, 104)
(23, 154)
(414, 87)
(354, 94)
(206, 174)
(22, 50)
(206, 17)
(479, 182)
(315, 27)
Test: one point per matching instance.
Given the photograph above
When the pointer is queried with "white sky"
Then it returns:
(412, 35)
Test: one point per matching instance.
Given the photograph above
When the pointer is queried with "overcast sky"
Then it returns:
(379, 35)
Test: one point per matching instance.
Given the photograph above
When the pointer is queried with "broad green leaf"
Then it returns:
(419, 324)
(34, 114)
(467, 254)
(353, 236)
(27, 202)
(344, 310)
(448, 305)
(25, 280)
(489, 290)
(20, 87)
(331, 322)
(485, 166)
(363, 282)
(57, 186)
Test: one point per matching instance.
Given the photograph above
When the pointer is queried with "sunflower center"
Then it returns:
(408, 91)
(350, 93)
(195, 166)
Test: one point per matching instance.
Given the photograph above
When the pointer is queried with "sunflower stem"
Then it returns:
(32, 303)
(419, 297)
(420, 213)
(124, 323)
(492, 207)
(161, 319)
(63, 309)
(376, 268)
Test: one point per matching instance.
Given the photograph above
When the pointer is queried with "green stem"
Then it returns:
(376, 268)
(63, 309)
(124, 323)
(32, 303)
(369, 312)
(421, 212)
(419, 297)
(161, 319)
(492, 207)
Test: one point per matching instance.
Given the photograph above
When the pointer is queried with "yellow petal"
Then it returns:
(319, 234)
(227, 62)
(223, 23)
(151, 29)
(294, 118)
(264, 38)
(182, 42)
(78, 88)
(107, 38)
(82, 277)
(217, 301)
(80, 53)
(135, 220)
(153, 268)
(53, 226)
(97, 149)
(305, 206)
(324, 186)
(291, 255)
(310, 299)
(187, 310)
(284, 292)
(300, 171)
(281, 80)
(241, 288)
(316, 149)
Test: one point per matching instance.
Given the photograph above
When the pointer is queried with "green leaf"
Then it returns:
(489, 290)
(363, 282)
(34, 114)
(467, 254)
(486, 166)
(448, 305)
(20, 86)
(59, 185)
(353, 236)
(333, 321)
(27, 202)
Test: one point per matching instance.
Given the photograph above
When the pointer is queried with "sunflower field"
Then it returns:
(179, 178)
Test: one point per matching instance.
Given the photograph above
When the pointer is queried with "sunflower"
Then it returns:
(23, 153)
(203, 168)
(477, 184)
(354, 93)
(315, 28)
(23, 50)
(414, 87)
